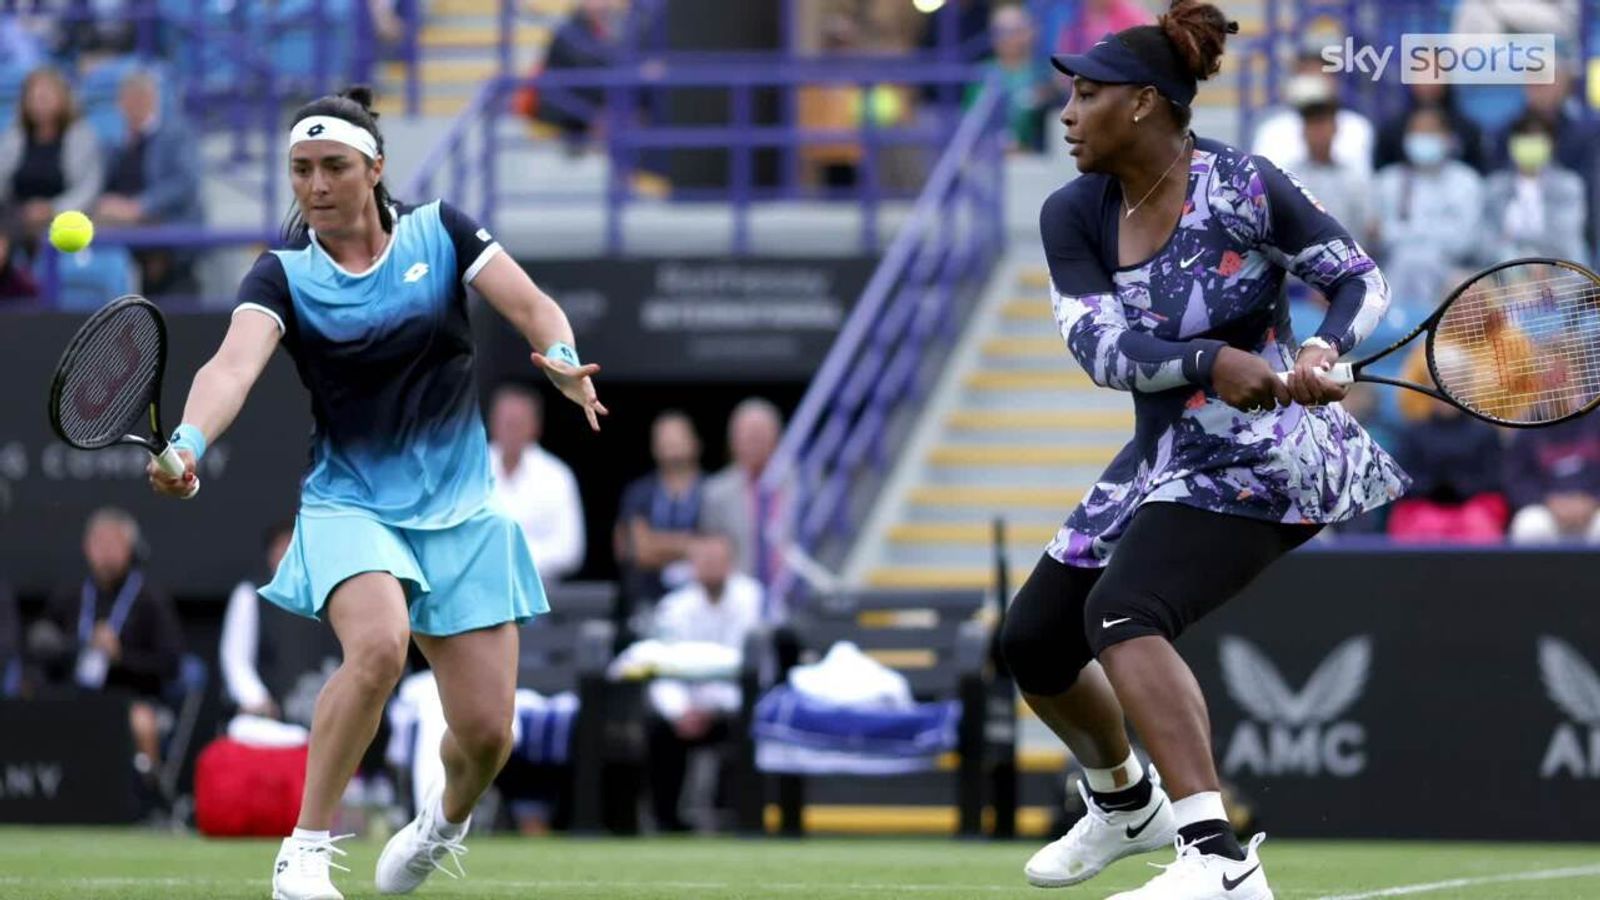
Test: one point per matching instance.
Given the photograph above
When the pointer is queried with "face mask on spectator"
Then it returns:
(1426, 148)
(1530, 152)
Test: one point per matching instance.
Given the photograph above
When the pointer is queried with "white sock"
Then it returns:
(1202, 807)
(306, 834)
(1104, 781)
(442, 826)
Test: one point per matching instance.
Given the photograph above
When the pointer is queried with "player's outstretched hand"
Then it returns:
(1245, 381)
(182, 488)
(575, 383)
(1307, 385)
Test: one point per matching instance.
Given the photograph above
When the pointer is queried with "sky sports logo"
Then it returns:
(1451, 59)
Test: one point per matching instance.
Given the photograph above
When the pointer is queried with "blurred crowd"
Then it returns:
(1434, 197)
(686, 543)
(132, 161)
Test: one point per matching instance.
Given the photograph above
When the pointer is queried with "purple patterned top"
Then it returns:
(1156, 328)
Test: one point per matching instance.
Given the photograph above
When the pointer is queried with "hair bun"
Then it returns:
(361, 94)
(1198, 31)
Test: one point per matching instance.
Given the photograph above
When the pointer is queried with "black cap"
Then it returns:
(1112, 61)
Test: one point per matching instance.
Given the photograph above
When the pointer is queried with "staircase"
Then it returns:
(1015, 431)
(459, 48)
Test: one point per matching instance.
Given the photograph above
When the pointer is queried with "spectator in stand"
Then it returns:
(1576, 150)
(1454, 463)
(1552, 479)
(1030, 90)
(720, 606)
(114, 631)
(1281, 135)
(1343, 188)
(659, 513)
(1074, 28)
(153, 178)
(50, 161)
(587, 40)
(1557, 17)
(1469, 143)
(1427, 214)
(16, 282)
(536, 488)
(1535, 207)
(733, 502)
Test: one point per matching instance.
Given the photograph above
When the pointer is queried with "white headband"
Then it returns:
(333, 128)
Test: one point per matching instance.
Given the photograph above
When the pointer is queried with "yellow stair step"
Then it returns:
(447, 8)
(1038, 278)
(393, 104)
(447, 71)
(1021, 455)
(997, 497)
(1032, 345)
(1012, 380)
(967, 533)
(1028, 309)
(485, 36)
(924, 578)
(1040, 419)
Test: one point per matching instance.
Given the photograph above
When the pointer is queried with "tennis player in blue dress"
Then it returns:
(1167, 259)
(397, 538)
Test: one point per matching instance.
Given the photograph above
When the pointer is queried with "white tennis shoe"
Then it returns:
(417, 850)
(1102, 837)
(301, 870)
(1204, 876)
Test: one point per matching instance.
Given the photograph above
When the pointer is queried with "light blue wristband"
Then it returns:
(187, 437)
(563, 351)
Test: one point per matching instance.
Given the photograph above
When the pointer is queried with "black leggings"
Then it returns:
(1174, 564)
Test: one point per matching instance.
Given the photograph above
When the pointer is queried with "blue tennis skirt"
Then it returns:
(476, 574)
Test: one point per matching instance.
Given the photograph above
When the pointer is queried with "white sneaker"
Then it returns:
(1102, 837)
(1204, 876)
(417, 850)
(301, 871)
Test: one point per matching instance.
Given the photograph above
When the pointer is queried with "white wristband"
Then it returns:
(1323, 343)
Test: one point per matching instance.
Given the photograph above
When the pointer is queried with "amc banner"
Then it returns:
(695, 320)
(1413, 694)
(249, 479)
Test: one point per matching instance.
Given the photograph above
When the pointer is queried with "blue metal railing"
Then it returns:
(743, 76)
(877, 367)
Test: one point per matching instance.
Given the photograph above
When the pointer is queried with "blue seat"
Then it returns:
(93, 277)
(183, 695)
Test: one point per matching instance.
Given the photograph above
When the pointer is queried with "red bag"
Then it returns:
(245, 791)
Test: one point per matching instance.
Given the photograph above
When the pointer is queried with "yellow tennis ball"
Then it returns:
(71, 231)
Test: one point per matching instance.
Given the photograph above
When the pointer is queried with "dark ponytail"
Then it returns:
(1198, 31)
(354, 105)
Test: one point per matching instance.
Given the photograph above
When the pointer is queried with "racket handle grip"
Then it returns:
(1338, 373)
(171, 465)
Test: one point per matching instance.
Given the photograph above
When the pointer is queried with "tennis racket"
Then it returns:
(1517, 344)
(107, 386)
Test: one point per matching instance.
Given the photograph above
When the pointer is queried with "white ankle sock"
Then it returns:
(1104, 781)
(442, 826)
(1202, 807)
(306, 834)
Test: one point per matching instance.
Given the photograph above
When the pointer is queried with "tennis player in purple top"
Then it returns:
(1168, 257)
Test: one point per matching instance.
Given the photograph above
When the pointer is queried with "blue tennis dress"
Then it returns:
(1155, 329)
(399, 478)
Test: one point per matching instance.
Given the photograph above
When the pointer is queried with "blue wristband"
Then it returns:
(563, 351)
(187, 437)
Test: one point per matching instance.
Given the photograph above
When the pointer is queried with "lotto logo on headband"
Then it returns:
(333, 128)
(1451, 58)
